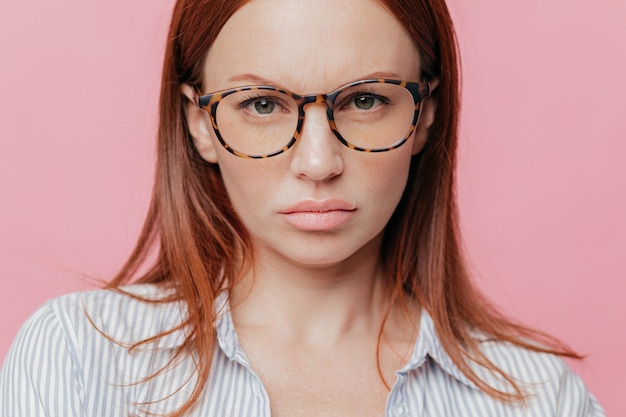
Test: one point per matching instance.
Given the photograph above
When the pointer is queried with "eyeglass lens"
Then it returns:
(370, 116)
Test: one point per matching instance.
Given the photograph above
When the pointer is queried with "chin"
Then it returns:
(331, 256)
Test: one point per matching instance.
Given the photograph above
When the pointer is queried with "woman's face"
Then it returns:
(319, 203)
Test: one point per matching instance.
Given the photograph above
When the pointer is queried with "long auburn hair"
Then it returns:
(199, 241)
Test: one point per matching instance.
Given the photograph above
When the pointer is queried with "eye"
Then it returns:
(264, 106)
(260, 105)
(365, 101)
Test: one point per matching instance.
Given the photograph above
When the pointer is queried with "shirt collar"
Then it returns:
(226, 334)
(426, 345)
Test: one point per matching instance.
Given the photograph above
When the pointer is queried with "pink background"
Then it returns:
(542, 176)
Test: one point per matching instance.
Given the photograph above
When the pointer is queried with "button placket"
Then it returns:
(400, 410)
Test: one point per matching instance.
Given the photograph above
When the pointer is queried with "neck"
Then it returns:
(312, 306)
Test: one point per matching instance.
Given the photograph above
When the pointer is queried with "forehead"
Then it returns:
(310, 45)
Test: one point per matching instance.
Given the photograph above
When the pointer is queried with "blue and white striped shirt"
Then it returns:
(61, 366)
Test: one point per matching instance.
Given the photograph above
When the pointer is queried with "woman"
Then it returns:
(308, 259)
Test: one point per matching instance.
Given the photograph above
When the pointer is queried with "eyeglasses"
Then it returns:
(259, 121)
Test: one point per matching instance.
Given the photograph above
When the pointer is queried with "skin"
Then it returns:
(309, 312)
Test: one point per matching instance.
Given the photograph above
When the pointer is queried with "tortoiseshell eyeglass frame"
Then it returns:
(209, 102)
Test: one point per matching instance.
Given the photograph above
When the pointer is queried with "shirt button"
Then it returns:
(400, 410)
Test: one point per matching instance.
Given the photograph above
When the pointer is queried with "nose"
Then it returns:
(317, 155)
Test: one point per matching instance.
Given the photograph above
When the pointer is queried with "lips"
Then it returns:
(325, 215)
(313, 206)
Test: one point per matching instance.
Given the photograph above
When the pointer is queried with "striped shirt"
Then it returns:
(60, 365)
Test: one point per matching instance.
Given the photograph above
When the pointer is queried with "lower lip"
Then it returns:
(318, 221)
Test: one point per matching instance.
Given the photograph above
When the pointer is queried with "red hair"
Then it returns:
(201, 242)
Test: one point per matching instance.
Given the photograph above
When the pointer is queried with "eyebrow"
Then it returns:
(250, 77)
(256, 79)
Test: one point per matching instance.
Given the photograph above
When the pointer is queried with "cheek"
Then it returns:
(382, 189)
(388, 177)
(248, 184)
(242, 184)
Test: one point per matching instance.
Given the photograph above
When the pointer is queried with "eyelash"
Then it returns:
(249, 100)
(350, 99)
(344, 102)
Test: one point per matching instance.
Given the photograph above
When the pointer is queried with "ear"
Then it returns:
(199, 125)
(428, 107)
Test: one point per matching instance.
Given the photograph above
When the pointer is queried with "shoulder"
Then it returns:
(552, 388)
(547, 379)
(86, 318)
(95, 323)
(74, 350)
(523, 364)
(124, 315)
